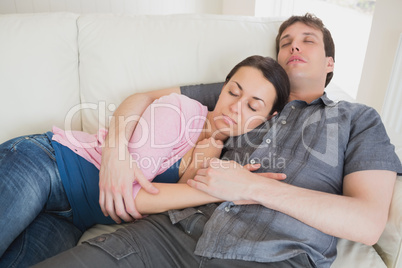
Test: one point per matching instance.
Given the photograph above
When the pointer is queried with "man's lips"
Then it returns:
(295, 59)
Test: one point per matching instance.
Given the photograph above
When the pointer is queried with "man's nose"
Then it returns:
(295, 48)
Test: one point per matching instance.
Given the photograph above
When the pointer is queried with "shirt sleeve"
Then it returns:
(369, 146)
(207, 94)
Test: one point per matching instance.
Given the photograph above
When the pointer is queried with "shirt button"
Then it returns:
(252, 161)
(283, 122)
(227, 209)
(268, 141)
(293, 107)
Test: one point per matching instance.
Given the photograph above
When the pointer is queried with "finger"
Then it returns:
(102, 202)
(197, 185)
(201, 179)
(102, 194)
(275, 176)
(252, 167)
(130, 204)
(201, 172)
(145, 184)
(217, 143)
(120, 208)
(110, 208)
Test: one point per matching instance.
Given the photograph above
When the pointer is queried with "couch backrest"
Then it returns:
(121, 54)
(52, 62)
(39, 80)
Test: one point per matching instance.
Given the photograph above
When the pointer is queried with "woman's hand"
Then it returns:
(205, 150)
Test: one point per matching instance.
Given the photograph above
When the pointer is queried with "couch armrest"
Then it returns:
(389, 246)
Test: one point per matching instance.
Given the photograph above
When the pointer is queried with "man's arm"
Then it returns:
(360, 214)
(116, 173)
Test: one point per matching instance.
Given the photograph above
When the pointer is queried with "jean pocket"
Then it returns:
(115, 245)
(194, 225)
(32, 145)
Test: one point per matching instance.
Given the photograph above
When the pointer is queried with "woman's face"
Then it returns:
(244, 103)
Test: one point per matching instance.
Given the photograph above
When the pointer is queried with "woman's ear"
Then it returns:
(272, 115)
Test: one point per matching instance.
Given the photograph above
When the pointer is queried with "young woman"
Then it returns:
(58, 172)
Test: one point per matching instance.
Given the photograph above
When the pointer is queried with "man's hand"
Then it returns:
(228, 180)
(116, 178)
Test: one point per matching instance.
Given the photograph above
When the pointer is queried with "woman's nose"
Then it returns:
(235, 107)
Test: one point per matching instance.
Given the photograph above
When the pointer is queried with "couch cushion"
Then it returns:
(390, 244)
(38, 72)
(352, 254)
(122, 54)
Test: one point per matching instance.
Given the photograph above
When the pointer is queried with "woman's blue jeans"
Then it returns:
(35, 215)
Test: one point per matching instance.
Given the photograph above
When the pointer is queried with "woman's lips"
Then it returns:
(229, 120)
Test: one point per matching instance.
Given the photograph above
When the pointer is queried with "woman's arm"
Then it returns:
(171, 196)
(117, 172)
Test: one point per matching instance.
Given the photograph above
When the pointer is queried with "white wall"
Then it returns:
(239, 7)
(112, 6)
(381, 50)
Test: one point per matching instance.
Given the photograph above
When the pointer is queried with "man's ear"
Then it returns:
(330, 64)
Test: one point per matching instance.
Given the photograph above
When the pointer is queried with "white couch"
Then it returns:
(72, 70)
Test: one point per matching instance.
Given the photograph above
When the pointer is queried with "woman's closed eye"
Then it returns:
(251, 108)
(233, 94)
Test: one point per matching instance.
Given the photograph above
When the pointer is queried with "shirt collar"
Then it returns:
(323, 99)
(327, 101)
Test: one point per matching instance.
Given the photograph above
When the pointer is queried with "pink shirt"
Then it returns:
(169, 127)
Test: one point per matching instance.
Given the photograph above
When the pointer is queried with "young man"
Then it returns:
(340, 169)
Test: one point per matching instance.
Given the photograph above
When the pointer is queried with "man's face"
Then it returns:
(302, 54)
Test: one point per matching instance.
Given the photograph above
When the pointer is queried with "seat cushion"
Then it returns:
(350, 254)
